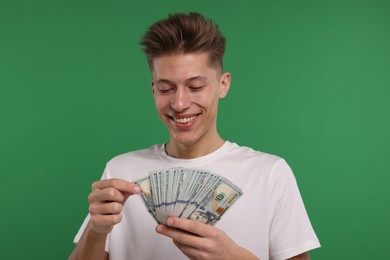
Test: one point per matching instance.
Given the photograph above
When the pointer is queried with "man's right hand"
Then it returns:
(105, 206)
(106, 202)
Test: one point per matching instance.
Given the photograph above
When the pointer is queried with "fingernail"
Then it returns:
(170, 221)
(159, 229)
(136, 189)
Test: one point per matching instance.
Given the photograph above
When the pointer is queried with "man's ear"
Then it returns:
(152, 84)
(225, 84)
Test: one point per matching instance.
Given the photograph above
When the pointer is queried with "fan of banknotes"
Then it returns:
(187, 193)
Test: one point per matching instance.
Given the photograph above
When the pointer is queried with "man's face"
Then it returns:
(186, 89)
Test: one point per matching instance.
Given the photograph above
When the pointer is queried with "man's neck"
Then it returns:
(199, 149)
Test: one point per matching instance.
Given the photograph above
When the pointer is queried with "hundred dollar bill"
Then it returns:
(205, 186)
(217, 203)
(179, 189)
(171, 184)
(146, 195)
(182, 197)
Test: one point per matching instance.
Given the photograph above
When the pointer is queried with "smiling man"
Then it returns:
(269, 221)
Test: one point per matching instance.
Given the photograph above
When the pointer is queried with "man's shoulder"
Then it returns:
(249, 153)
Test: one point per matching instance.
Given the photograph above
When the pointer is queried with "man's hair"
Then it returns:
(182, 34)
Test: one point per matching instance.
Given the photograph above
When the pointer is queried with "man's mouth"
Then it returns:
(185, 120)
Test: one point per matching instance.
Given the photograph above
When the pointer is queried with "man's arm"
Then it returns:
(105, 207)
(90, 246)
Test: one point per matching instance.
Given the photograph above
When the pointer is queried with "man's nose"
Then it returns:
(180, 100)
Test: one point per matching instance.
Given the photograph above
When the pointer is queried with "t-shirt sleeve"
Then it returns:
(291, 232)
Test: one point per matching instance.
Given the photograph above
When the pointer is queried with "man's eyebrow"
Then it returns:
(201, 78)
(165, 81)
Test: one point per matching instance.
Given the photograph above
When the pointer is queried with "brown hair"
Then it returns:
(184, 33)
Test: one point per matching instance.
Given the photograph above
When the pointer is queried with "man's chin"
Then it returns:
(183, 139)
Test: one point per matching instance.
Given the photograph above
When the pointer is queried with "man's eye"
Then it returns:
(196, 88)
(164, 90)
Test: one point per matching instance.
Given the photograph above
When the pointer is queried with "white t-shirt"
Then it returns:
(269, 219)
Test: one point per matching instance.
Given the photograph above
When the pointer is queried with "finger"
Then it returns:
(119, 184)
(190, 226)
(106, 220)
(180, 236)
(106, 195)
(189, 251)
(105, 208)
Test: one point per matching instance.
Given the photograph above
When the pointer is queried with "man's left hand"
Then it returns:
(201, 241)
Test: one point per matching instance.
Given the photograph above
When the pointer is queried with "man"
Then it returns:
(185, 54)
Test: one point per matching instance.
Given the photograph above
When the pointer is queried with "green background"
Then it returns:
(310, 83)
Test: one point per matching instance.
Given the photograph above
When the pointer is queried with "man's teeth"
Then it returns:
(184, 120)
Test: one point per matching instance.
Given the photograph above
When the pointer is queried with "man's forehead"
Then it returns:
(183, 67)
(198, 57)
